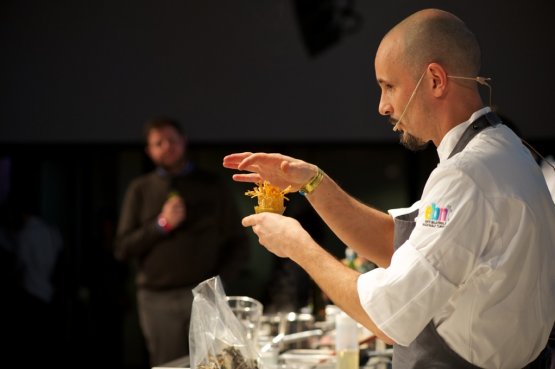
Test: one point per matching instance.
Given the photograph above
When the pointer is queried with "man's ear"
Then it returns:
(439, 79)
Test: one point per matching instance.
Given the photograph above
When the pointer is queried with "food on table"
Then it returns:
(229, 358)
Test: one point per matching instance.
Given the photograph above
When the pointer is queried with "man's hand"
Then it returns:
(281, 235)
(278, 169)
(174, 211)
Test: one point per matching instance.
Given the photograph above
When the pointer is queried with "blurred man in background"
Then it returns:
(181, 225)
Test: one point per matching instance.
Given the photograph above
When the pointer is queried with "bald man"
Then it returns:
(464, 277)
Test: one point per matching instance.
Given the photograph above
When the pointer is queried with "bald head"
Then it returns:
(433, 35)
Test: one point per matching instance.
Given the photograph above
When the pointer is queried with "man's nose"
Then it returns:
(384, 106)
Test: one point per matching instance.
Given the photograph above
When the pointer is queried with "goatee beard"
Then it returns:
(412, 143)
(409, 141)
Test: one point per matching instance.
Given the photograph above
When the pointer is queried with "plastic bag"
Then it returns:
(217, 339)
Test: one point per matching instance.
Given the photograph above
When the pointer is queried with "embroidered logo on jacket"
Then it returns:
(435, 216)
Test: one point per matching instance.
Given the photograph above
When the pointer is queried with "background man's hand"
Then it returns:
(174, 210)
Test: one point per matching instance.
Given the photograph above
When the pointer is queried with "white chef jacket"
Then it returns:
(478, 260)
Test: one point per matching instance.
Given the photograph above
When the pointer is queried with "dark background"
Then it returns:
(79, 78)
(238, 70)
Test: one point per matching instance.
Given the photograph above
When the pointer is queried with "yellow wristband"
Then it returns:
(313, 183)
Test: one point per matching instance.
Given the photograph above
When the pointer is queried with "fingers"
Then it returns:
(280, 170)
(273, 231)
(174, 210)
(249, 177)
(232, 161)
(267, 219)
(248, 162)
(249, 220)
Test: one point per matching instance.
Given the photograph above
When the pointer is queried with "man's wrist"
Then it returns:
(163, 224)
(314, 182)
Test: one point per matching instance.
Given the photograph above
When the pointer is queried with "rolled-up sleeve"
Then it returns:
(397, 305)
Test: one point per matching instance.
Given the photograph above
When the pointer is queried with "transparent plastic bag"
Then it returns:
(217, 339)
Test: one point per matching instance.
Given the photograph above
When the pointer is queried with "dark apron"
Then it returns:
(429, 350)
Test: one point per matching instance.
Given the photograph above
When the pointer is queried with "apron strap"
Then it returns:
(486, 120)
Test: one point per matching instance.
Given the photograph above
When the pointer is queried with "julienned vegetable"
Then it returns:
(270, 198)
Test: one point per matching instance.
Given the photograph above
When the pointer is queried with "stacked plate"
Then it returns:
(308, 359)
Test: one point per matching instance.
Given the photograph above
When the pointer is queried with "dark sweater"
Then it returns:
(211, 241)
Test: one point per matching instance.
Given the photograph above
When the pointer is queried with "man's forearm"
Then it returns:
(337, 281)
(366, 230)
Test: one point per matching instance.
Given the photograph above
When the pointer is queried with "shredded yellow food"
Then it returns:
(270, 197)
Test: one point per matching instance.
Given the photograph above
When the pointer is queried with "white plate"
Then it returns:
(307, 356)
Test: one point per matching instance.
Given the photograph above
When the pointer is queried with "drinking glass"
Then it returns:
(249, 312)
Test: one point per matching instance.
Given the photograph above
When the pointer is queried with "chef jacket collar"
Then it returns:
(449, 141)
